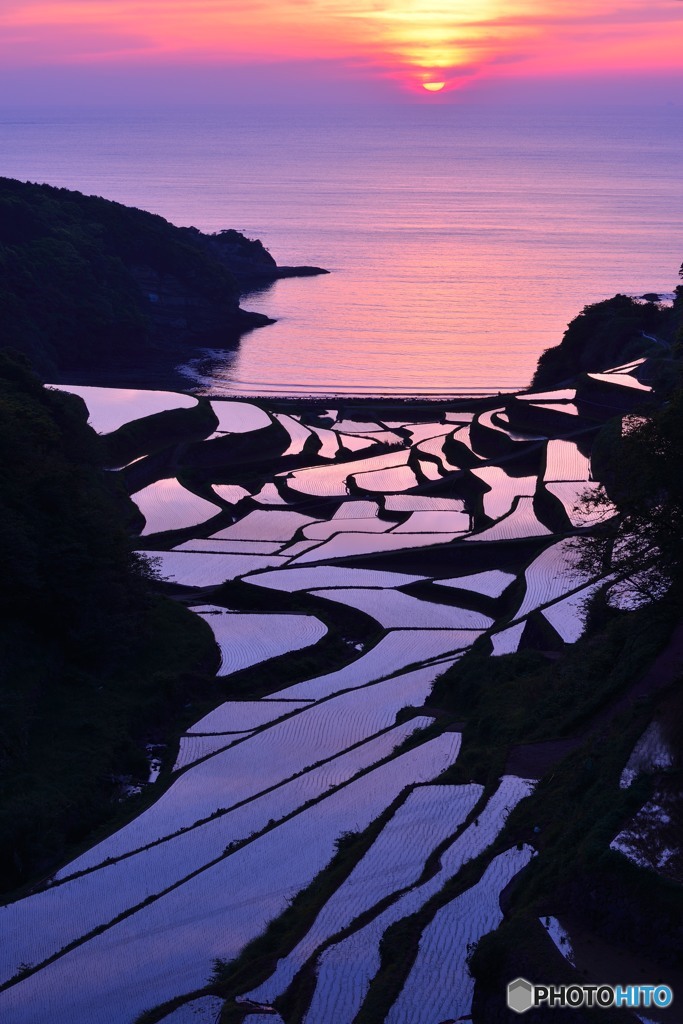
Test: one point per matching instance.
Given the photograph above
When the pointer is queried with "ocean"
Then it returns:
(460, 242)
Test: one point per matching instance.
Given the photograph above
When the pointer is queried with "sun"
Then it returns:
(433, 86)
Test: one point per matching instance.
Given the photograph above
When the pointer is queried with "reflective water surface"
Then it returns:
(460, 241)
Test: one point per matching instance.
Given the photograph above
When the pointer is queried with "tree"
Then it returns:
(641, 549)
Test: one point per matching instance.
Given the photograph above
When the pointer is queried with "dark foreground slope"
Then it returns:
(91, 665)
(89, 284)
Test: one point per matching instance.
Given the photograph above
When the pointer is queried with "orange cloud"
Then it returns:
(409, 40)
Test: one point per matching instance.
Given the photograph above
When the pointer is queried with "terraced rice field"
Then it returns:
(345, 970)
(565, 461)
(398, 650)
(329, 442)
(206, 568)
(424, 431)
(652, 752)
(382, 437)
(265, 875)
(551, 575)
(501, 419)
(497, 420)
(269, 495)
(356, 442)
(261, 791)
(392, 609)
(263, 1018)
(246, 639)
(440, 985)
(266, 525)
(111, 408)
(626, 367)
(298, 548)
(368, 524)
(232, 493)
(459, 417)
(463, 436)
(491, 583)
(239, 417)
(435, 522)
(428, 816)
(624, 380)
(200, 1011)
(559, 937)
(434, 447)
(349, 426)
(281, 751)
(356, 510)
(430, 470)
(579, 500)
(507, 640)
(422, 503)
(82, 903)
(562, 395)
(569, 408)
(517, 525)
(316, 576)
(330, 481)
(240, 716)
(231, 547)
(567, 616)
(195, 748)
(389, 480)
(298, 433)
(503, 489)
(167, 505)
(652, 838)
(348, 545)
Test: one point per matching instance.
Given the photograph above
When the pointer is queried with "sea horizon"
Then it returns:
(460, 241)
(343, 632)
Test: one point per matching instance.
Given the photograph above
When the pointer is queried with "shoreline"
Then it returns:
(150, 379)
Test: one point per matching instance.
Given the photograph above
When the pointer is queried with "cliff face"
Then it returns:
(85, 282)
(180, 314)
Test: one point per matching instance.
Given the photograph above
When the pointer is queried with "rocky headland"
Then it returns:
(92, 287)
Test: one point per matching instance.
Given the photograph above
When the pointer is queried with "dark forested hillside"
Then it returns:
(608, 333)
(88, 283)
(89, 660)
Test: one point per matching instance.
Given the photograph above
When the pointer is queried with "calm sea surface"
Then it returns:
(460, 242)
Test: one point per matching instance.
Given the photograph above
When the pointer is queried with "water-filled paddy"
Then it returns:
(316, 757)
(167, 505)
(111, 408)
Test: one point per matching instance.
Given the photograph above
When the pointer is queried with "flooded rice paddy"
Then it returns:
(323, 524)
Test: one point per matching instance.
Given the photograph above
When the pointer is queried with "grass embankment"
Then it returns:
(528, 697)
(163, 430)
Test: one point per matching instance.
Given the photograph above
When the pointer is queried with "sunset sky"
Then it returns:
(375, 48)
